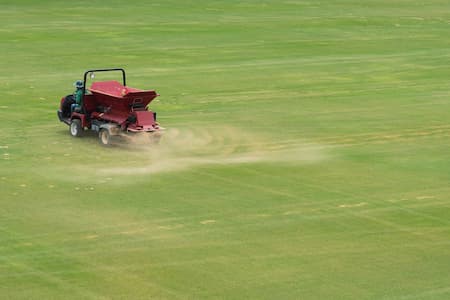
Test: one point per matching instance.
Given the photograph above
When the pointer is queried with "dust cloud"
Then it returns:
(181, 149)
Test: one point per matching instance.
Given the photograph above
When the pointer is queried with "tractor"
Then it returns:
(111, 109)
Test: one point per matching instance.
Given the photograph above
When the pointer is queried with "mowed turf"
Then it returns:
(306, 153)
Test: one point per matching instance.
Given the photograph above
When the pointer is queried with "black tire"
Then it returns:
(75, 128)
(104, 137)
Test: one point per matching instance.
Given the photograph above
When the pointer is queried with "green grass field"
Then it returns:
(306, 154)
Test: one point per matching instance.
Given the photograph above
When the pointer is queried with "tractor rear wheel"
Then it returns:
(104, 137)
(154, 138)
(76, 129)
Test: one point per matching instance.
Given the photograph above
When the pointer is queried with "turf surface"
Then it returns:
(306, 155)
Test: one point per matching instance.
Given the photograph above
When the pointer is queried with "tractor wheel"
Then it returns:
(75, 128)
(104, 137)
(154, 138)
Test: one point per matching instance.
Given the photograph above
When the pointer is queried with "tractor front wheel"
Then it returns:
(104, 137)
(76, 129)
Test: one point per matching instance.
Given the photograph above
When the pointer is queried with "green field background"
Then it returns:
(306, 154)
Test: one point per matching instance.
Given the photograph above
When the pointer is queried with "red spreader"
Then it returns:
(110, 108)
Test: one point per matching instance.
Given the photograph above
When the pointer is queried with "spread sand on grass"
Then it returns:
(182, 149)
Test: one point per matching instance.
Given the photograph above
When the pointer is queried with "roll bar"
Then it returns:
(103, 70)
